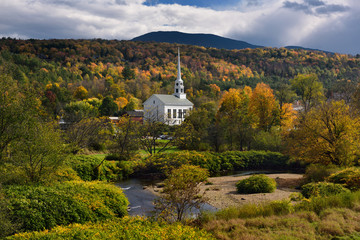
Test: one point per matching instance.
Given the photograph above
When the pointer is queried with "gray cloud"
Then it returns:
(297, 6)
(332, 8)
(315, 7)
(314, 2)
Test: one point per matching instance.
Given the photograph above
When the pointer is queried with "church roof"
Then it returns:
(172, 100)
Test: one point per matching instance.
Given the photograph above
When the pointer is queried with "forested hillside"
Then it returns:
(132, 71)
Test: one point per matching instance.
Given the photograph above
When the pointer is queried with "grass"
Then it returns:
(171, 149)
(335, 217)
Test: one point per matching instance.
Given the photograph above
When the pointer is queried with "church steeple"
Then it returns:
(179, 83)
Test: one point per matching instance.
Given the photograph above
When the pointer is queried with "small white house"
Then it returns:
(169, 109)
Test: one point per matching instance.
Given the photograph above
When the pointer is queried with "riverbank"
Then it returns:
(222, 191)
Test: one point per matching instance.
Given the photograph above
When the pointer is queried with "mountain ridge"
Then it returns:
(205, 40)
(198, 39)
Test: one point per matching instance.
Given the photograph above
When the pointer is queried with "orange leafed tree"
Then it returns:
(121, 102)
(263, 106)
(287, 117)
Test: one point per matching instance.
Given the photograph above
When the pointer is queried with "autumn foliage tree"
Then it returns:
(328, 135)
(264, 106)
(234, 118)
(81, 93)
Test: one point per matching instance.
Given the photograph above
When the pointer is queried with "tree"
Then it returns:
(328, 135)
(15, 110)
(121, 102)
(39, 152)
(76, 111)
(81, 93)
(284, 94)
(181, 193)
(88, 133)
(264, 106)
(193, 133)
(287, 118)
(148, 134)
(234, 118)
(108, 107)
(125, 141)
(309, 89)
(128, 73)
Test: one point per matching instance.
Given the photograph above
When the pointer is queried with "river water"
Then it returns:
(141, 200)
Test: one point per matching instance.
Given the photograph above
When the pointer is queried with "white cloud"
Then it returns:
(323, 24)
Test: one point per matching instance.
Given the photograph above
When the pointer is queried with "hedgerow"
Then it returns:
(125, 228)
(216, 163)
(88, 168)
(44, 207)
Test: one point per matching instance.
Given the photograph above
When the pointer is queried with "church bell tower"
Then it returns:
(179, 83)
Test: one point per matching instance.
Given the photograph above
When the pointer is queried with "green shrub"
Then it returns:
(319, 204)
(7, 225)
(125, 228)
(216, 163)
(87, 168)
(44, 207)
(256, 184)
(322, 189)
(349, 177)
(318, 172)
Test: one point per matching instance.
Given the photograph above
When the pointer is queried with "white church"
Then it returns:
(169, 109)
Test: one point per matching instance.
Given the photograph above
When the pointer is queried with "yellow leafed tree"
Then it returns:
(329, 135)
(263, 106)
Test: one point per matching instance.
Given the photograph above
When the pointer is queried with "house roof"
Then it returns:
(135, 113)
(171, 100)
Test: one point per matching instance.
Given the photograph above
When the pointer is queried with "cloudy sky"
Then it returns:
(332, 25)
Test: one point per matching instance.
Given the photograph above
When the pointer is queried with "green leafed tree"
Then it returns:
(39, 152)
(15, 110)
(181, 193)
(125, 141)
(108, 107)
(76, 111)
(309, 89)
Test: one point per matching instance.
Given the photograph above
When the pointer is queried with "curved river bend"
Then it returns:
(141, 200)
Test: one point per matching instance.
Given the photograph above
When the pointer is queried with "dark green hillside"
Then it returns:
(198, 39)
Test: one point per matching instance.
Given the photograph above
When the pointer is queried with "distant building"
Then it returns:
(169, 109)
(136, 115)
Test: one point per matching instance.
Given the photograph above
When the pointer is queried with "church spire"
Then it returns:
(179, 84)
(179, 67)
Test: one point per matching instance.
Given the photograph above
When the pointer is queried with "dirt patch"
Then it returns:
(222, 193)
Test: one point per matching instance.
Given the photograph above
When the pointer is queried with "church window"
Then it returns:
(174, 113)
(182, 90)
(177, 84)
(180, 113)
(177, 90)
(154, 102)
(169, 113)
(184, 112)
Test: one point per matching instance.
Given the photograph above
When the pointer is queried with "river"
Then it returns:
(141, 200)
